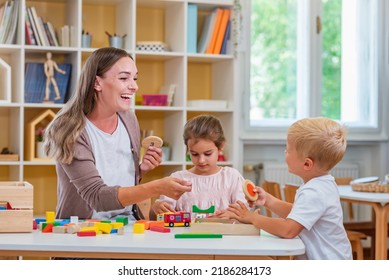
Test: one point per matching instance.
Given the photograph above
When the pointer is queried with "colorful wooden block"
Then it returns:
(160, 229)
(60, 229)
(73, 229)
(197, 235)
(120, 231)
(50, 216)
(117, 225)
(104, 227)
(123, 220)
(48, 228)
(139, 228)
(86, 233)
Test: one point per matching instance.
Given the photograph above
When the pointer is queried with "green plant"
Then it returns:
(39, 133)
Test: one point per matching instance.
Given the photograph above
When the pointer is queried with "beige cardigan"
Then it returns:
(80, 187)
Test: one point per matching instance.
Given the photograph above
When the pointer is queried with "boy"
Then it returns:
(314, 147)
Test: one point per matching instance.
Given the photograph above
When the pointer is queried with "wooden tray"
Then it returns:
(371, 187)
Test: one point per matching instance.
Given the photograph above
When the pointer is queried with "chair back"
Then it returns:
(290, 192)
(346, 181)
(274, 189)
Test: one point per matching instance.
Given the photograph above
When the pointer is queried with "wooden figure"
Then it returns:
(50, 66)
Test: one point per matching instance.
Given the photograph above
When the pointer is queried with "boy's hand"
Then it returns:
(241, 213)
(261, 200)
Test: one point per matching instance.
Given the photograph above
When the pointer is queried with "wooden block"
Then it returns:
(104, 227)
(60, 229)
(50, 216)
(9, 157)
(86, 233)
(160, 229)
(145, 223)
(73, 229)
(117, 225)
(47, 228)
(123, 220)
(139, 228)
(156, 224)
(121, 231)
(197, 235)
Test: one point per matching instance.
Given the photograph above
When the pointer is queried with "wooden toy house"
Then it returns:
(40, 121)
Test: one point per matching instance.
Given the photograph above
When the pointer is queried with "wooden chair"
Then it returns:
(355, 238)
(274, 189)
(290, 192)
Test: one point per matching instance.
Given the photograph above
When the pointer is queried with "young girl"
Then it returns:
(212, 185)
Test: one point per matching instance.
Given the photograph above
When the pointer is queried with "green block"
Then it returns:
(123, 220)
(195, 209)
(198, 235)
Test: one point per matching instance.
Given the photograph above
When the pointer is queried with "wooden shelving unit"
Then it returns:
(196, 76)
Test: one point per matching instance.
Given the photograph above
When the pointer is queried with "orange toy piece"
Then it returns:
(248, 189)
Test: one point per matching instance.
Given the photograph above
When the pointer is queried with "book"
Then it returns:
(192, 29)
(226, 38)
(216, 28)
(34, 27)
(5, 21)
(39, 27)
(53, 34)
(222, 31)
(206, 32)
(30, 37)
(11, 33)
(35, 83)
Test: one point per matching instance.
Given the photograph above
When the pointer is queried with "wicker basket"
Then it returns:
(370, 187)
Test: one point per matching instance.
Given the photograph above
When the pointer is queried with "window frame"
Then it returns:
(276, 130)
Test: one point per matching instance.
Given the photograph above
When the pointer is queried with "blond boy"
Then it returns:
(314, 147)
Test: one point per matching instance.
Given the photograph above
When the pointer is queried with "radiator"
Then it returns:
(278, 172)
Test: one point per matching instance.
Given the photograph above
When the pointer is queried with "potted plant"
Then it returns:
(39, 133)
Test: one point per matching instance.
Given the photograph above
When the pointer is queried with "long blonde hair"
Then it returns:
(63, 131)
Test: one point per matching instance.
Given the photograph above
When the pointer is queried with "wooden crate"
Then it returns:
(19, 195)
(223, 226)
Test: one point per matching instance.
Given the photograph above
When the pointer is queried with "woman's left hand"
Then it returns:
(151, 159)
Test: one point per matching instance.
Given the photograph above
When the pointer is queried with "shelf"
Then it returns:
(196, 76)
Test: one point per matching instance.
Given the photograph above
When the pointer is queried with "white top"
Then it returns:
(347, 192)
(317, 207)
(114, 161)
(152, 243)
(219, 189)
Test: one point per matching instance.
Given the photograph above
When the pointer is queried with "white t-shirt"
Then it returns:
(317, 207)
(114, 161)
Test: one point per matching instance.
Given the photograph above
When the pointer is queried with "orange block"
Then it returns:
(156, 224)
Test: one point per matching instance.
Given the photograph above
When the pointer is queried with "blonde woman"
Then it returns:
(95, 140)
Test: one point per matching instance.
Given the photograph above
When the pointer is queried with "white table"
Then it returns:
(151, 245)
(380, 204)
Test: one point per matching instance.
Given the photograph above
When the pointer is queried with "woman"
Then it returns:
(95, 140)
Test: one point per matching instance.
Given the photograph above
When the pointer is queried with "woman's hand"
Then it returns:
(173, 187)
(151, 159)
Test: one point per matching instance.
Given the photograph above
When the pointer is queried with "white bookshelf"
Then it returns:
(196, 76)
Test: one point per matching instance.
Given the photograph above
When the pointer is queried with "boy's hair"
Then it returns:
(204, 127)
(321, 139)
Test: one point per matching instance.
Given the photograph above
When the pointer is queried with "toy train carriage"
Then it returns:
(178, 219)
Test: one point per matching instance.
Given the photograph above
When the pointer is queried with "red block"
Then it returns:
(86, 233)
(160, 229)
(48, 228)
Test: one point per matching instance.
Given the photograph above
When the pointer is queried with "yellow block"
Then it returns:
(95, 229)
(117, 225)
(139, 228)
(104, 227)
(50, 216)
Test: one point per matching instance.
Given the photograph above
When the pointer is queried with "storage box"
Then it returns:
(155, 99)
(19, 197)
(208, 104)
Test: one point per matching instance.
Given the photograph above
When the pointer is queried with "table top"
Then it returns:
(346, 192)
(152, 243)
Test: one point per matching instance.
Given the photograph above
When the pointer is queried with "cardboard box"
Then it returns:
(18, 196)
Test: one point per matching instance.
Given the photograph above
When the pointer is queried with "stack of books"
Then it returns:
(215, 35)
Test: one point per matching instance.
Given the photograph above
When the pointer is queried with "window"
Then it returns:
(315, 58)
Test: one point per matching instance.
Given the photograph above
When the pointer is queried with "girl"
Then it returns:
(212, 185)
